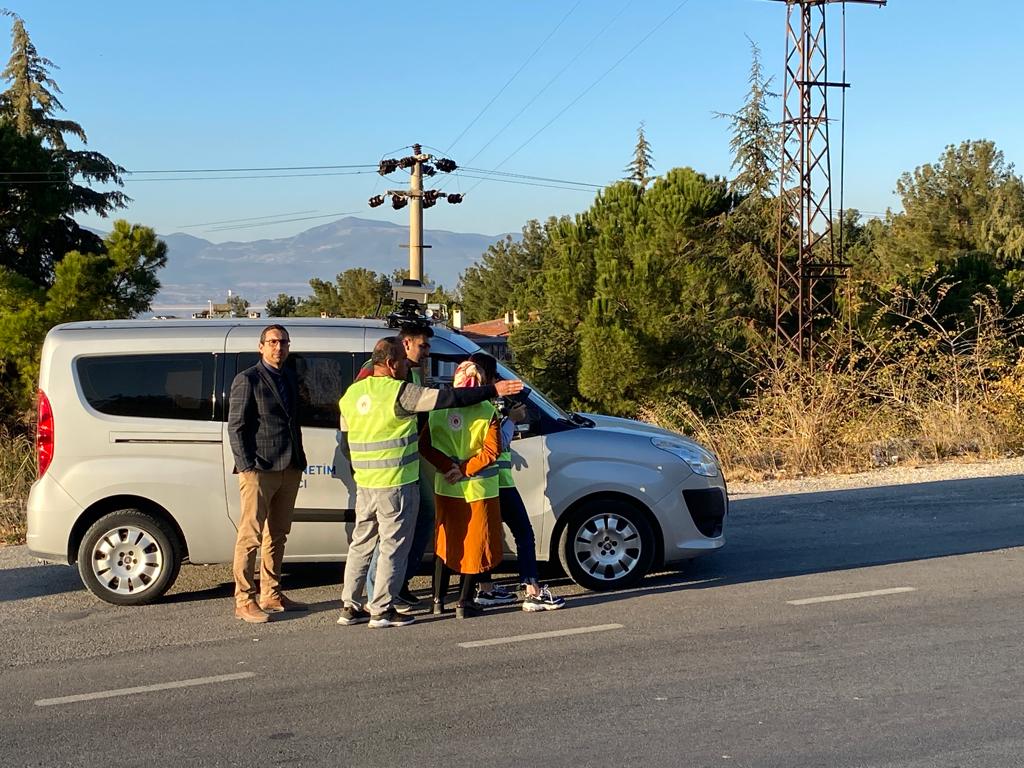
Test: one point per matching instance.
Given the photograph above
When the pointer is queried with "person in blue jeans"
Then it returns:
(514, 515)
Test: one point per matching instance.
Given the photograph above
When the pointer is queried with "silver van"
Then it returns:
(135, 469)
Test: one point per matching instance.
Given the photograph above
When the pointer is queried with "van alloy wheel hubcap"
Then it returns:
(127, 560)
(608, 547)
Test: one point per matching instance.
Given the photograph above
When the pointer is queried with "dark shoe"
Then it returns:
(437, 606)
(468, 610)
(406, 601)
(496, 596)
(280, 604)
(391, 618)
(250, 613)
(351, 615)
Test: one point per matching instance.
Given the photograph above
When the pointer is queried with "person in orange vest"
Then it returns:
(463, 445)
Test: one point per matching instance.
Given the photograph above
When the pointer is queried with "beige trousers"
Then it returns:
(268, 501)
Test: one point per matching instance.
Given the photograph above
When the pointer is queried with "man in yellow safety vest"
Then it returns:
(379, 438)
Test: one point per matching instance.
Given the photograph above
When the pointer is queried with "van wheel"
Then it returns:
(607, 544)
(129, 557)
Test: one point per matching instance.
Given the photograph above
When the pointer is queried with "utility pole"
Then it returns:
(419, 165)
(805, 277)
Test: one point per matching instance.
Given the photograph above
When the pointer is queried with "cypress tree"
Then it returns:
(642, 164)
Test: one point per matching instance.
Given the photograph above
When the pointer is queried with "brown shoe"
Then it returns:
(251, 614)
(280, 604)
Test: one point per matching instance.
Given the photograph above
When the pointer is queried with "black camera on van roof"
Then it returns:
(410, 313)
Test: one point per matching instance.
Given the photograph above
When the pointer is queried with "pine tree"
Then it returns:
(31, 100)
(755, 141)
(753, 224)
(640, 167)
(31, 104)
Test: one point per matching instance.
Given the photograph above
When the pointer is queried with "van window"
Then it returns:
(171, 386)
(444, 359)
(323, 378)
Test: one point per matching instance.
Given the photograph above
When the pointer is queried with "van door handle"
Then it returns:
(156, 436)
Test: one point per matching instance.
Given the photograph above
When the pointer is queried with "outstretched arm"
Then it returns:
(412, 398)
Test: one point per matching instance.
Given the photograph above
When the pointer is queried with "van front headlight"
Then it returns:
(700, 461)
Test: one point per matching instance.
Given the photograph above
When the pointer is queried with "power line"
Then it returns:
(260, 176)
(256, 170)
(590, 87)
(551, 82)
(525, 176)
(514, 76)
(525, 183)
(283, 221)
(250, 218)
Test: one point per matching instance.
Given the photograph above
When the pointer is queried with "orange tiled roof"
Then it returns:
(488, 328)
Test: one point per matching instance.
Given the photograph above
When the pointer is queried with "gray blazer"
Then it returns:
(264, 436)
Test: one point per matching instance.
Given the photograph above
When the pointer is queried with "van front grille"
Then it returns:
(707, 508)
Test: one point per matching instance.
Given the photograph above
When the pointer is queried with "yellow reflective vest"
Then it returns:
(384, 448)
(459, 434)
(504, 465)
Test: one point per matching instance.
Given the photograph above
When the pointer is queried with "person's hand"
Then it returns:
(508, 387)
(453, 475)
(518, 413)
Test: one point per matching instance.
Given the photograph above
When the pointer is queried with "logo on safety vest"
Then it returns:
(364, 404)
(454, 421)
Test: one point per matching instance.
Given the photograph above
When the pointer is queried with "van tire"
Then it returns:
(607, 544)
(129, 557)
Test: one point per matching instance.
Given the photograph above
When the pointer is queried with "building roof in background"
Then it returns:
(492, 328)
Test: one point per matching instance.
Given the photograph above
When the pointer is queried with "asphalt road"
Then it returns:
(732, 662)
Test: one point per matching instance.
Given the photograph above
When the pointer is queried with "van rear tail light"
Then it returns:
(44, 433)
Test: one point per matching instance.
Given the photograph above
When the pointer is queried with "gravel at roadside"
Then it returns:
(898, 475)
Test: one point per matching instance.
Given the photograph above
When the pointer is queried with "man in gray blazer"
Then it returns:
(266, 441)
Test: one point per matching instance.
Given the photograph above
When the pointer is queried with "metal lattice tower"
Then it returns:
(807, 267)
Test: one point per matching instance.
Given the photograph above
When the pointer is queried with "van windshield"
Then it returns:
(536, 396)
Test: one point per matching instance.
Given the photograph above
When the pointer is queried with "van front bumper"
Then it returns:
(693, 519)
(52, 514)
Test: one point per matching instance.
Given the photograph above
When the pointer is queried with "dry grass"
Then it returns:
(17, 471)
(914, 386)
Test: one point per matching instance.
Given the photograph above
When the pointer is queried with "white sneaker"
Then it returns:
(542, 601)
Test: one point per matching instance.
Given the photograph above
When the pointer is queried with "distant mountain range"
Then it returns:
(198, 270)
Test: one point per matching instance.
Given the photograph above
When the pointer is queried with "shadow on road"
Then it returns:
(766, 538)
(36, 581)
(775, 537)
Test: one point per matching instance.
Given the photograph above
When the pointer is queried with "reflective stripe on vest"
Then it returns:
(384, 448)
(504, 465)
(459, 433)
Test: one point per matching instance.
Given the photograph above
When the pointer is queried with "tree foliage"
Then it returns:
(283, 306)
(118, 282)
(53, 270)
(632, 303)
(36, 237)
(639, 169)
(238, 305)
(503, 279)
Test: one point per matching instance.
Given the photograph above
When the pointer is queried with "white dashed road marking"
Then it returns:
(145, 689)
(851, 596)
(539, 635)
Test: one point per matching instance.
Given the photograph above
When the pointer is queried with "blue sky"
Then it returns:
(190, 85)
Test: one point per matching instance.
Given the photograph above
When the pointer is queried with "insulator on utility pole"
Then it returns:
(417, 199)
